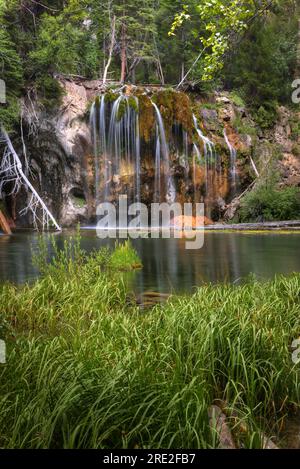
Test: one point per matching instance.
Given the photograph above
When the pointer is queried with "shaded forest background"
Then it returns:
(251, 49)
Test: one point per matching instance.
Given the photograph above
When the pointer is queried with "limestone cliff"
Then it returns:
(59, 147)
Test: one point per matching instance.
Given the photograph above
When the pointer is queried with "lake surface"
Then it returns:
(167, 265)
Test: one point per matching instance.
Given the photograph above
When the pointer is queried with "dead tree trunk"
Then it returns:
(111, 48)
(123, 54)
(11, 172)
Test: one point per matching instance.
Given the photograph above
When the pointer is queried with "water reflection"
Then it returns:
(168, 266)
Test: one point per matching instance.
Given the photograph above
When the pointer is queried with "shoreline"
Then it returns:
(289, 226)
(292, 226)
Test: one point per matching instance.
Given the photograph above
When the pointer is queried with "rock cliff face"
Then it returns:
(59, 147)
(287, 138)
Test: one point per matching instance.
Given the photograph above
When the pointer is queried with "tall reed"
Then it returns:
(87, 369)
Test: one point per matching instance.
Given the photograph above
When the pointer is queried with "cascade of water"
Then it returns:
(197, 152)
(163, 148)
(196, 155)
(208, 150)
(115, 143)
(114, 138)
(93, 126)
(157, 180)
(185, 152)
(181, 146)
(207, 143)
(233, 154)
(103, 151)
(137, 153)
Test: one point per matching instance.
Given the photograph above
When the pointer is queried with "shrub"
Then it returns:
(124, 257)
(237, 99)
(266, 115)
(50, 91)
(267, 203)
(296, 149)
(244, 127)
(210, 106)
(295, 130)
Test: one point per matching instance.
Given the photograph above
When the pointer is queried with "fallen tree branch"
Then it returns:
(191, 68)
(11, 171)
(254, 167)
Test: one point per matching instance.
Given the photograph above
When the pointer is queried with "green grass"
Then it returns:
(124, 257)
(87, 369)
(237, 99)
(244, 126)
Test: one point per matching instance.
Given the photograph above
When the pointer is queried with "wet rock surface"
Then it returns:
(59, 147)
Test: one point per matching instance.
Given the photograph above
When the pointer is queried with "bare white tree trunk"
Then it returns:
(191, 68)
(11, 171)
(111, 48)
(254, 167)
(159, 66)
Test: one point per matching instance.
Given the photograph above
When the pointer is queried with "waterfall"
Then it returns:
(93, 126)
(116, 139)
(196, 156)
(233, 154)
(102, 135)
(119, 148)
(197, 152)
(181, 146)
(185, 153)
(137, 153)
(208, 151)
(162, 147)
(157, 180)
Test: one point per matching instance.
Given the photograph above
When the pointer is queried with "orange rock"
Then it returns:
(190, 222)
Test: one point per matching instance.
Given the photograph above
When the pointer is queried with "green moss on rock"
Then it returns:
(147, 117)
(175, 107)
(110, 96)
(133, 103)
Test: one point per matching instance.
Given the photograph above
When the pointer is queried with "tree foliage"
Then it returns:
(262, 67)
(10, 73)
(250, 46)
(267, 203)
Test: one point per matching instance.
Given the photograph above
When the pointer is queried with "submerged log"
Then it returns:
(4, 224)
(149, 299)
(156, 294)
